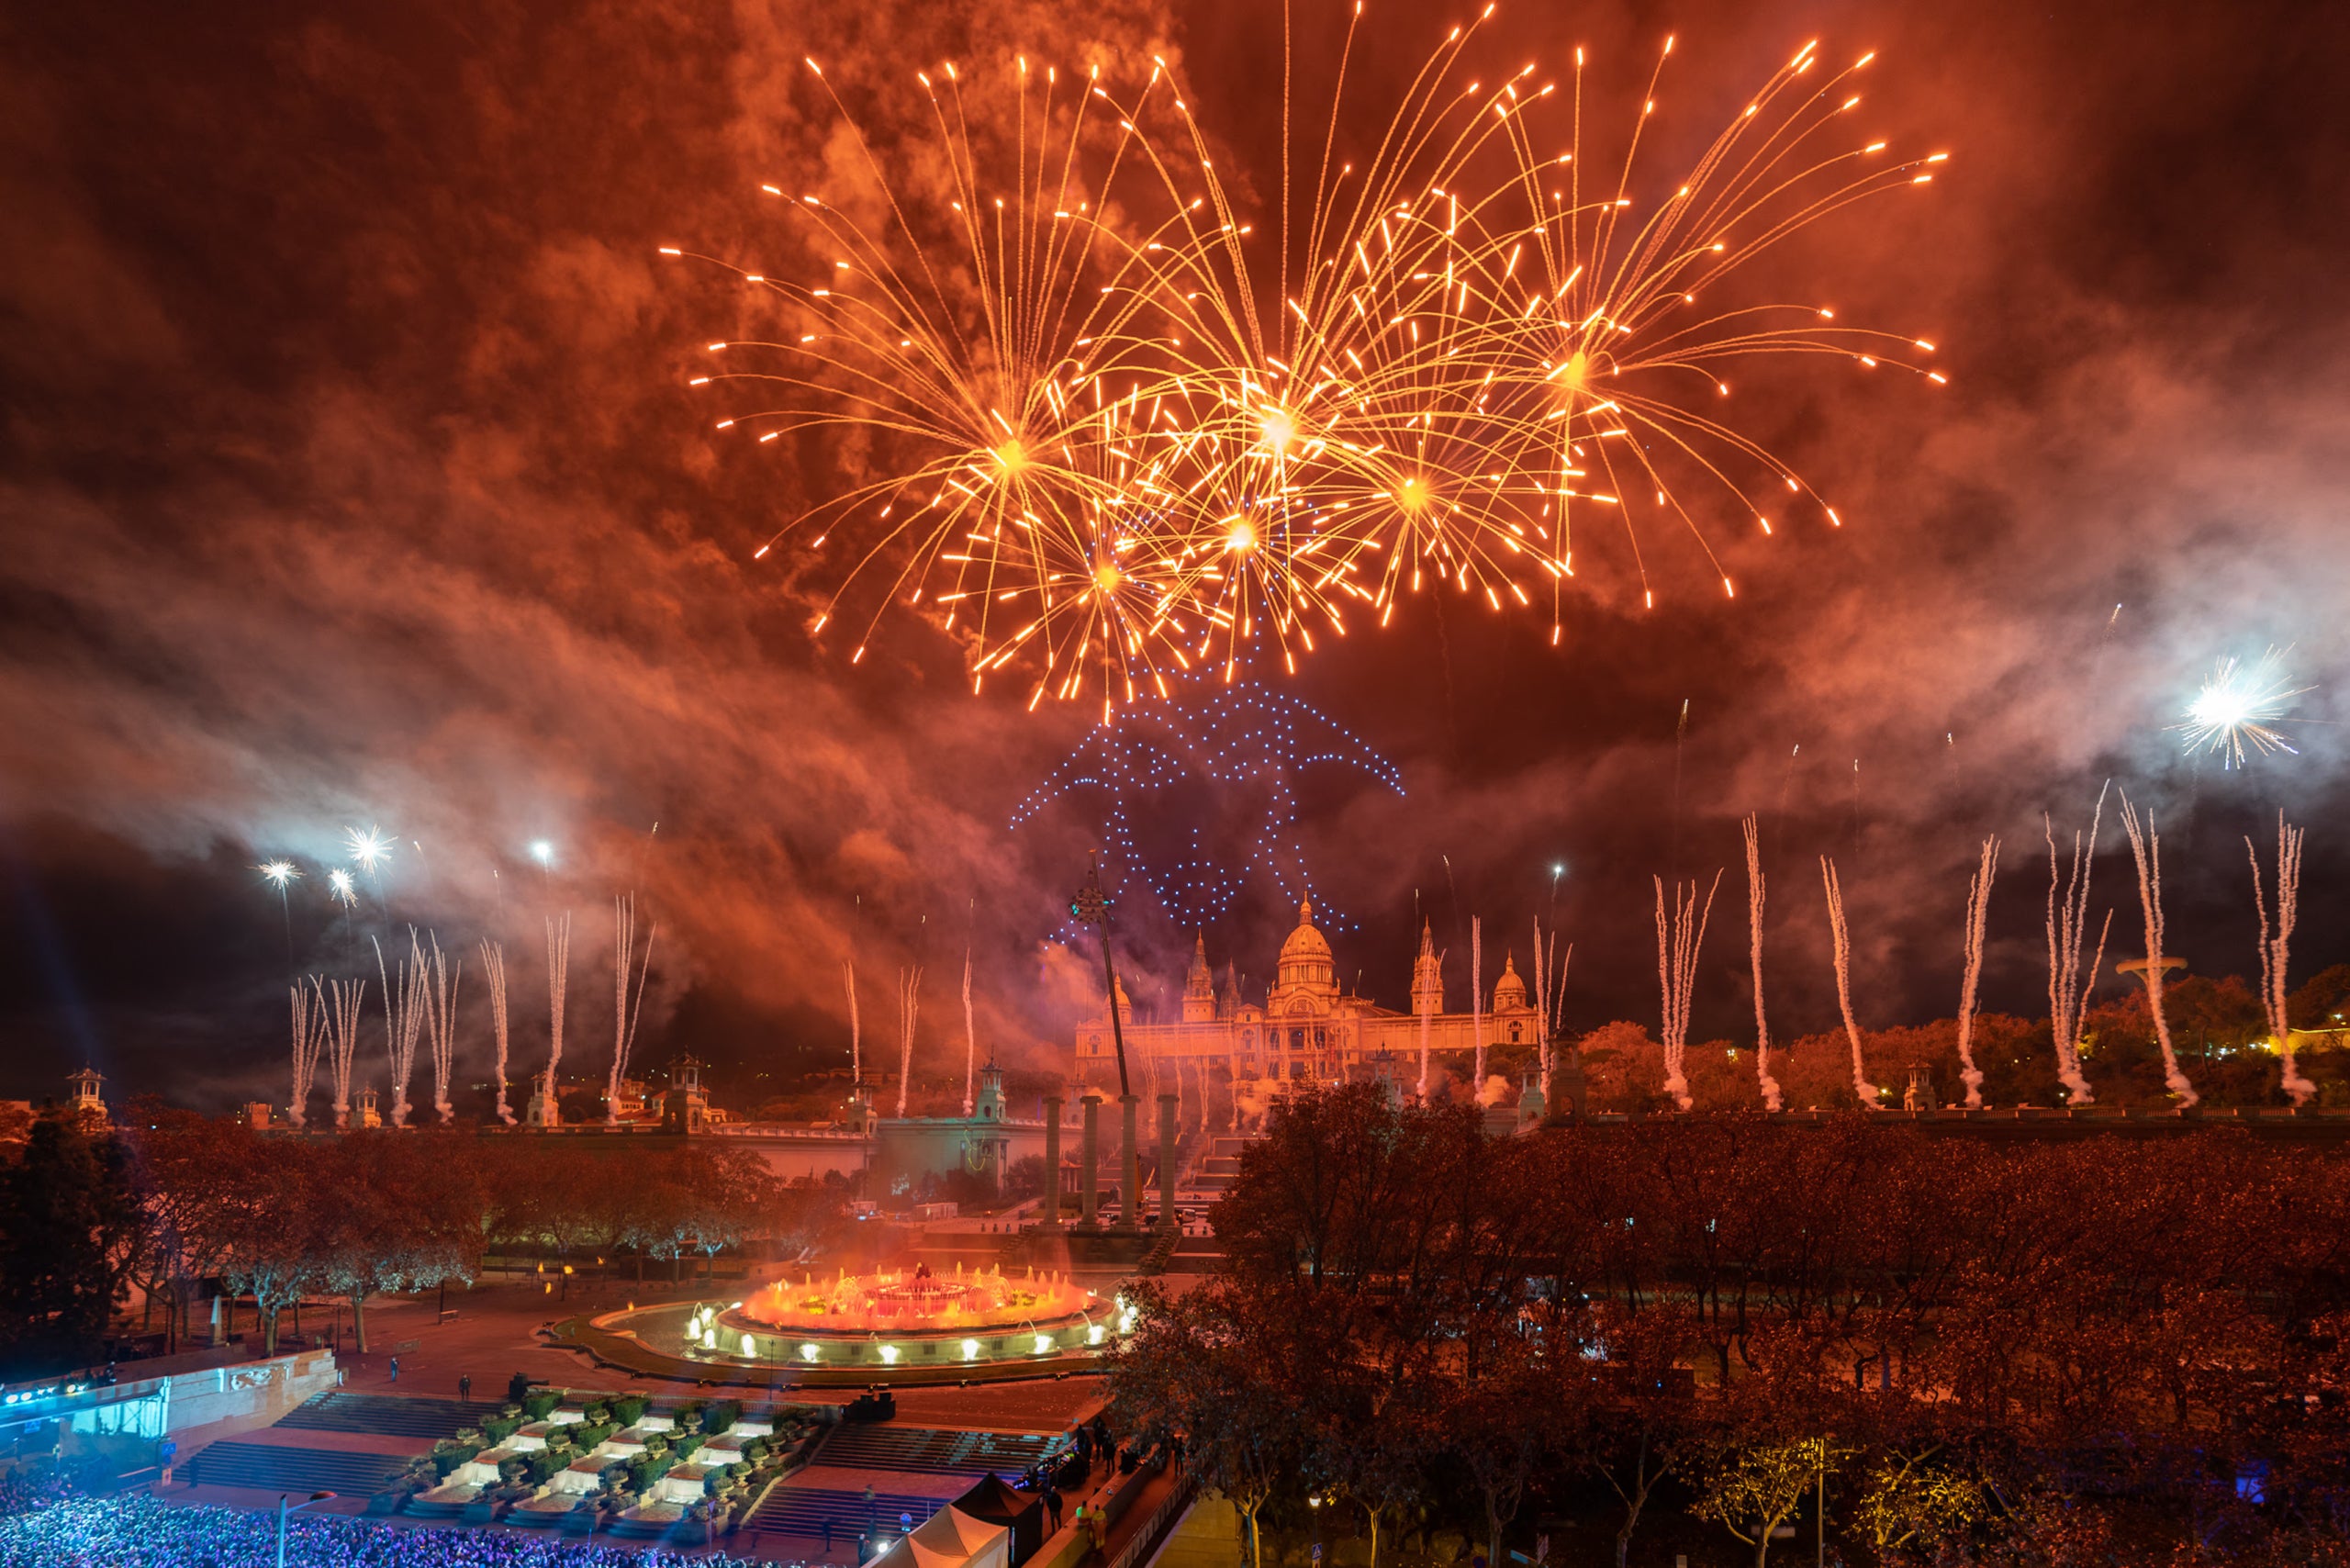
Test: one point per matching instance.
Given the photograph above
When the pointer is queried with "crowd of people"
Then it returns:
(139, 1532)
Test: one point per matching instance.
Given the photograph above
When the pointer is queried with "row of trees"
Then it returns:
(1971, 1350)
(172, 1206)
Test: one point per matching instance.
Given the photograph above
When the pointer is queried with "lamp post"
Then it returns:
(316, 1497)
(1093, 909)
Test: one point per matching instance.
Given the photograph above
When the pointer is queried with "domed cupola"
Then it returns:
(1307, 969)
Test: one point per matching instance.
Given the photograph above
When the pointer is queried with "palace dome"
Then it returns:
(1305, 964)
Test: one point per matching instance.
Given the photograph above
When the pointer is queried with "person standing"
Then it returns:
(465, 1388)
(828, 1538)
(395, 1370)
(1053, 1506)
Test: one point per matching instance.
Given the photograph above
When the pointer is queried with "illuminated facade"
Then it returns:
(1308, 1028)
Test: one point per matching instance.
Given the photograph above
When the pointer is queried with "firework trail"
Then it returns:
(856, 1039)
(558, 973)
(2239, 706)
(1978, 909)
(2067, 923)
(970, 1040)
(309, 1039)
(1678, 938)
(404, 1008)
(493, 969)
(909, 1009)
(625, 1010)
(1841, 937)
(1542, 1012)
(1768, 1085)
(439, 997)
(339, 1000)
(2275, 948)
(1477, 1007)
(2146, 847)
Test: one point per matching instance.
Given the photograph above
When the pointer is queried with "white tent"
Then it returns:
(950, 1538)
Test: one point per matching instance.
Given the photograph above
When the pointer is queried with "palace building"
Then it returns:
(1309, 1028)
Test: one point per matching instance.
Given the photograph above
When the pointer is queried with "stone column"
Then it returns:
(1090, 1154)
(1052, 1163)
(1130, 1167)
(1167, 1162)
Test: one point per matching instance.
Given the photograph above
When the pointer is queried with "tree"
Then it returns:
(401, 1220)
(1209, 1367)
(1752, 1487)
(68, 1226)
(270, 1223)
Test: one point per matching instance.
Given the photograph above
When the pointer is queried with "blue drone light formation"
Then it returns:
(1224, 736)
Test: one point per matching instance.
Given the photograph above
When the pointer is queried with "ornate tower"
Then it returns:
(1428, 976)
(87, 1100)
(989, 1107)
(685, 1108)
(1199, 986)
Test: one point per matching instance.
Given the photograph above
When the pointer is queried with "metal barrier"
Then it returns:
(1139, 1544)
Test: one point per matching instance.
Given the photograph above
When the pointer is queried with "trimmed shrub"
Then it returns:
(721, 1414)
(686, 1445)
(498, 1429)
(598, 1411)
(646, 1470)
(540, 1402)
(628, 1408)
(449, 1453)
(540, 1465)
(755, 1451)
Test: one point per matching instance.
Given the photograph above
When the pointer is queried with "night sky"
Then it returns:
(349, 477)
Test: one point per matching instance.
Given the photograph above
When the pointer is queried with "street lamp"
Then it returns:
(316, 1498)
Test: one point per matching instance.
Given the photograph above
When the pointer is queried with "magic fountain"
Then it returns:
(907, 1319)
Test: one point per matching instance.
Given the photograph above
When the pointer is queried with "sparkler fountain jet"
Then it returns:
(558, 971)
(340, 1001)
(1427, 998)
(970, 1041)
(625, 1012)
(909, 1010)
(855, 1039)
(2147, 849)
(1768, 1085)
(1678, 938)
(1978, 908)
(310, 1040)
(2275, 949)
(1840, 935)
(441, 1024)
(493, 969)
(2067, 923)
(404, 1009)
(1477, 1009)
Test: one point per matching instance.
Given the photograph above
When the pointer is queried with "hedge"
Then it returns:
(540, 1402)
(721, 1414)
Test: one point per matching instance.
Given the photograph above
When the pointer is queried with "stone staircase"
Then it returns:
(805, 1510)
(270, 1467)
(384, 1414)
